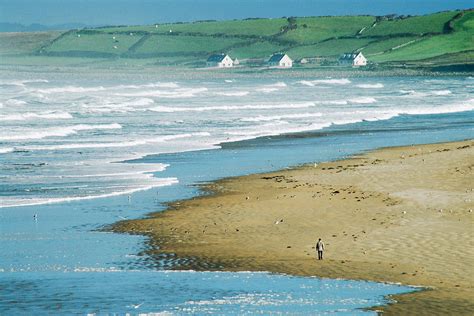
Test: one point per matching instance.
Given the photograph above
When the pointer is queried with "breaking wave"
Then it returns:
(6, 150)
(30, 115)
(57, 131)
(418, 94)
(233, 107)
(233, 94)
(312, 83)
(262, 118)
(70, 89)
(159, 182)
(370, 85)
(170, 94)
(363, 100)
(14, 102)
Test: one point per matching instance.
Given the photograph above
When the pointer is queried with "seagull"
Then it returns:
(121, 217)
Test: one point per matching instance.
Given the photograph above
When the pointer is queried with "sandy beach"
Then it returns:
(395, 215)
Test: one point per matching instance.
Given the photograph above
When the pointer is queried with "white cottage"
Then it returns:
(280, 60)
(219, 61)
(353, 59)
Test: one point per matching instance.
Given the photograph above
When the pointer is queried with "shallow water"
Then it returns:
(60, 252)
(168, 293)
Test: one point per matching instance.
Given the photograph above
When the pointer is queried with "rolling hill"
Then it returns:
(435, 39)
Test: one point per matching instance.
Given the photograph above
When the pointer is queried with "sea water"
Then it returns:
(87, 150)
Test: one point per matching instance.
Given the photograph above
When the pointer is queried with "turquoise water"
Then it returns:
(62, 141)
(169, 293)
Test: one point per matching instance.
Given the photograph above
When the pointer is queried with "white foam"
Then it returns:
(133, 143)
(467, 105)
(363, 100)
(169, 94)
(22, 83)
(180, 136)
(119, 106)
(171, 85)
(418, 94)
(57, 131)
(31, 115)
(370, 85)
(233, 93)
(441, 92)
(279, 84)
(334, 102)
(159, 182)
(85, 145)
(312, 83)
(70, 89)
(6, 150)
(277, 128)
(272, 87)
(14, 102)
(262, 118)
(233, 107)
(267, 90)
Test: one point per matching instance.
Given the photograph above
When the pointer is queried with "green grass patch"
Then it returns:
(328, 48)
(171, 44)
(32, 60)
(433, 23)
(25, 43)
(382, 46)
(256, 27)
(465, 23)
(261, 49)
(431, 47)
(99, 43)
(466, 57)
(316, 29)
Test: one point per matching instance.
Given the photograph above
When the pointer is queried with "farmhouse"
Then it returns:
(280, 60)
(353, 59)
(220, 61)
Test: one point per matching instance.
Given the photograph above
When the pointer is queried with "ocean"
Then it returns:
(85, 150)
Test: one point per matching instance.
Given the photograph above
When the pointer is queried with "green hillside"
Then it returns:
(440, 38)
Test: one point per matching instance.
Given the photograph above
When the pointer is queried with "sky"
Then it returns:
(133, 12)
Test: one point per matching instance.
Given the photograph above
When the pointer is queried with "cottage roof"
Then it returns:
(276, 58)
(349, 56)
(217, 58)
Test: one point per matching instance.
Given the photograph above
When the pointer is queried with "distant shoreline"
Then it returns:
(385, 216)
(186, 73)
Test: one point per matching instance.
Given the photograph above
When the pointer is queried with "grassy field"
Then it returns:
(333, 47)
(168, 45)
(258, 49)
(75, 42)
(417, 25)
(254, 27)
(444, 36)
(24, 43)
(314, 30)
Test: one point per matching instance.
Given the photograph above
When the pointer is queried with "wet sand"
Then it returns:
(395, 215)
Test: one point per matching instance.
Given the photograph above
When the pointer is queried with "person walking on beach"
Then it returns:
(320, 249)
